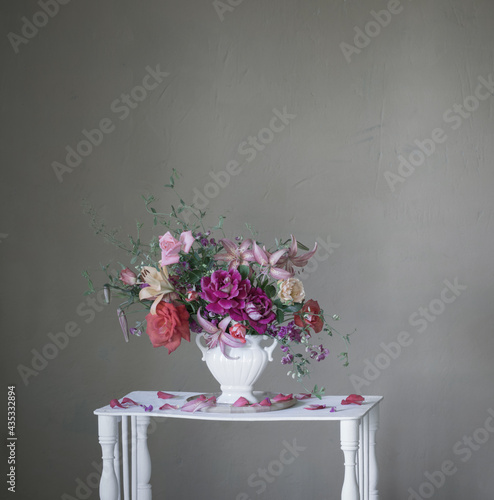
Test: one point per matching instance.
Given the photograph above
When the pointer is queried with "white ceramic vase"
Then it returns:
(238, 376)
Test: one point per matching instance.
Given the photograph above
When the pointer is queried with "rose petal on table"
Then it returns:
(332, 409)
(315, 407)
(282, 397)
(168, 406)
(353, 399)
(198, 404)
(264, 402)
(129, 402)
(165, 395)
(147, 408)
(126, 403)
(241, 401)
(304, 395)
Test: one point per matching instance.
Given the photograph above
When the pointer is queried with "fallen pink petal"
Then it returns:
(282, 397)
(147, 408)
(165, 395)
(168, 406)
(353, 399)
(315, 407)
(126, 403)
(332, 409)
(264, 402)
(198, 404)
(304, 395)
(241, 401)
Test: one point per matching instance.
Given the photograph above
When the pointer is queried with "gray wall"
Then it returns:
(331, 174)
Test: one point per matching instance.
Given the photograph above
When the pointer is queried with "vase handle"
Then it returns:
(204, 349)
(270, 348)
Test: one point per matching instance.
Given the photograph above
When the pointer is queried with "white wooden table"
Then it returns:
(358, 426)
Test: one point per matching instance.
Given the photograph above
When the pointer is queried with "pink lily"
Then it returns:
(218, 335)
(269, 261)
(235, 255)
(291, 258)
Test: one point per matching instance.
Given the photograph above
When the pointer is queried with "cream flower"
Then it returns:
(291, 290)
(159, 285)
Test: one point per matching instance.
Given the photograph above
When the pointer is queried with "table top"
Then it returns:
(296, 412)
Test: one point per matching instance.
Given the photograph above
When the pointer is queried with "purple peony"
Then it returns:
(225, 291)
(258, 311)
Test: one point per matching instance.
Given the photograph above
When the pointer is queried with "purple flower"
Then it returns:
(286, 360)
(225, 291)
(258, 311)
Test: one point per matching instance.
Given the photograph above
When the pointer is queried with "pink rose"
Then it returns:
(128, 277)
(186, 239)
(168, 326)
(170, 247)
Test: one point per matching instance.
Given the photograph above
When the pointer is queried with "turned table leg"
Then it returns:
(143, 460)
(108, 437)
(349, 430)
(373, 469)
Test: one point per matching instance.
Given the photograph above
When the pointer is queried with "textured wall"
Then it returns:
(386, 154)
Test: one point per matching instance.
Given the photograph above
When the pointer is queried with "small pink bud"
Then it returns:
(128, 277)
(238, 331)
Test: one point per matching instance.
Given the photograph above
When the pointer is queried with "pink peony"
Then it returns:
(258, 311)
(225, 291)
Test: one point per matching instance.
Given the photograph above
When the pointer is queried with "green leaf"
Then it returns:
(302, 246)
(244, 271)
(270, 291)
(294, 308)
(280, 316)
(278, 303)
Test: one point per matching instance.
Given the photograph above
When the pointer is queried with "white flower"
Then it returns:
(291, 290)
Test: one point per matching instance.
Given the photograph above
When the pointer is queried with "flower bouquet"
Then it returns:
(189, 279)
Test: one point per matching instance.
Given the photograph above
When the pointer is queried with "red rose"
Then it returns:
(168, 326)
(310, 316)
